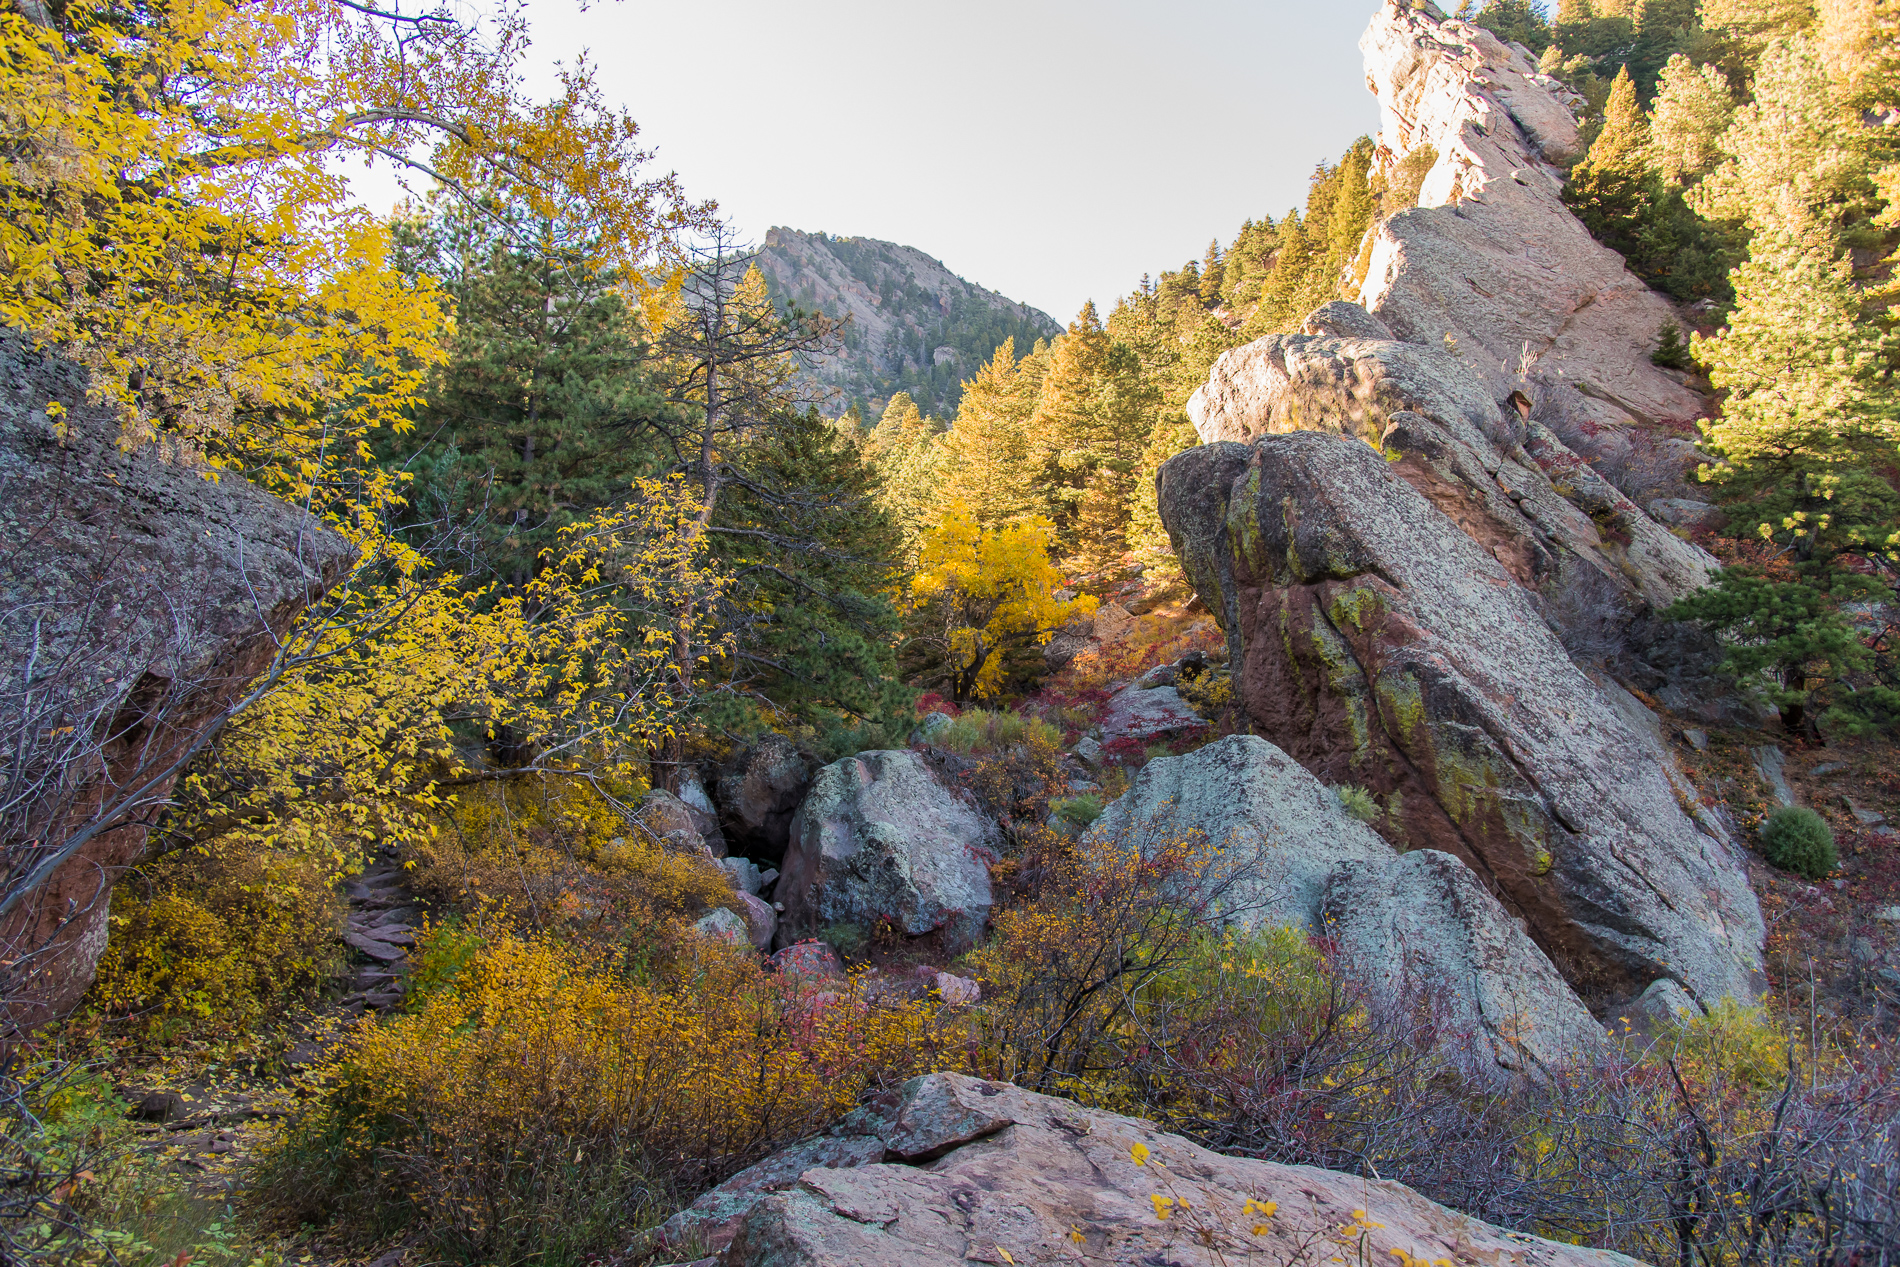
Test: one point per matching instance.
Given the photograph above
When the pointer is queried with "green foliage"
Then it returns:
(1623, 200)
(815, 559)
(1358, 802)
(540, 413)
(78, 1191)
(1791, 641)
(1796, 839)
(1520, 21)
(1672, 352)
(977, 730)
(1078, 811)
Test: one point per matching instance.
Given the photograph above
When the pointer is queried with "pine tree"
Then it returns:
(1798, 135)
(907, 452)
(1609, 190)
(1621, 197)
(1061, 428)
(1808, 416)
(1213, 276)
(545, 410)
(1692, 111)
(988, 446)
(1808, 434)
(816, 561)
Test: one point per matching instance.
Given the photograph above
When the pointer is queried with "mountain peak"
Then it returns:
(912, 325)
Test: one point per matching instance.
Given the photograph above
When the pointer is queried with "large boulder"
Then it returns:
(1601, 568)
(1143, 715)
(1276, 847)
(1279, 832)
(880, 840)
(1421, 930)
(757, 793)
(950, 1170)
(139, 594)
(1377, 644)
(1493, 266)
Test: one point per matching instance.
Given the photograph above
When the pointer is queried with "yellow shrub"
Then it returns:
(211, 942)
(555, 853)
(535, 1061)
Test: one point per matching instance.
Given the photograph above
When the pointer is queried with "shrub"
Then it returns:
(210, 942)
(979, 731)
(1078, 811)
(1796, 839)
(75, 1191)
(554, 854)
(1209, 693)
(1358, 802)
(538, 1104)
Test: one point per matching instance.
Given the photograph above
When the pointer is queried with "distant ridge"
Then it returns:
(913, 325)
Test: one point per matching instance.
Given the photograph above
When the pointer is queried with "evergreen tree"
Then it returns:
(1063, 423)
(907, 452)
(1622, 198)
(544, 411)
(1692, 111)
(1520, 21)
(1213, 276)
(988, 447)
(1798, 136)
(816, 561)
(1808, 437)
(1611, 188)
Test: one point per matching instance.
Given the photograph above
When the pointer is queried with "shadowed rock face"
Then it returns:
(1378, 644)
(950, 1169)
(1422, 927)
(153, 594)
(1416, 928)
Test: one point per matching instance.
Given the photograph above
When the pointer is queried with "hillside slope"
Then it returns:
(912, 325)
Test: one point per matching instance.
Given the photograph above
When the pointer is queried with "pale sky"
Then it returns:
(1053, 150)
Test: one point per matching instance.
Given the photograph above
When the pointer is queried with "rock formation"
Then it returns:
(757, 792)
(1286, 831)
(138, 596)
(879, 840)
(1422, 928)
(1494, 268)
(1379, 645)
(1600, 566)
(1411, 928)
(1424, 524)
(950, 1169)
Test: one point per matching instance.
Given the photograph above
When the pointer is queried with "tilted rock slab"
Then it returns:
(1422, 931)
(1492, 263)
(1416, 930)
(1601, 568)
(951, 1169)
(153, 592)
(1377, 644)
(880, 840)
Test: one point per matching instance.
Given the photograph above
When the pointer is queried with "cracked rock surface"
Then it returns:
(951, 1169)
(1379, 645)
